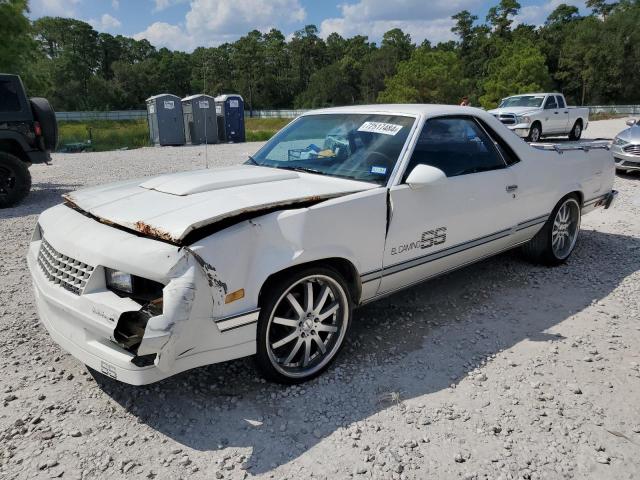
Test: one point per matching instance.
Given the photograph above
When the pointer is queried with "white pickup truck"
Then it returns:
(536, 115)
(147, 278)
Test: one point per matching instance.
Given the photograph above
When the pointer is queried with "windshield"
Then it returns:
(361, 147)
(534, 101)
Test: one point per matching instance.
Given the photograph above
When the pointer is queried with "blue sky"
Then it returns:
(186, 24)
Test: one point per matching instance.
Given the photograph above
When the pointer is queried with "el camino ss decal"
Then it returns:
(428, 239)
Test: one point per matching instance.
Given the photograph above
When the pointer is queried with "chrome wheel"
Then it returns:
(566, 226)
(307, 325)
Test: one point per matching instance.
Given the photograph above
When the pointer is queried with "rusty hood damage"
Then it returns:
(170, 207)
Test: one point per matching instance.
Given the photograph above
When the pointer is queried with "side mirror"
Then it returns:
(423, 175)
(632, 122)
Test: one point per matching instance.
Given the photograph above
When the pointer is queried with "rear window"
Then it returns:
(9, 99)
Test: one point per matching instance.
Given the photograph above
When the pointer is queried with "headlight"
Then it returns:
(117, 280)
(620, 142)
(522, 119)
(132, 286)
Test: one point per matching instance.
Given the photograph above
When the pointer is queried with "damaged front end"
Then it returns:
(155, 334)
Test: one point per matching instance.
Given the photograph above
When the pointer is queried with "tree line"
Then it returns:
(592, 59)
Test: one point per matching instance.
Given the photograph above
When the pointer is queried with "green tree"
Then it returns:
(15, 32)
(429, 76)
(520, 68)
(601, 7)
(501, 16)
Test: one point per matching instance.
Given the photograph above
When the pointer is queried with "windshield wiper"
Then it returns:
(304, 169)
(252, 161)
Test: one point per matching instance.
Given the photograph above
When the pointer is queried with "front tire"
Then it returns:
(535, 133)
(555, 242)
(304, 319)
(15, 180)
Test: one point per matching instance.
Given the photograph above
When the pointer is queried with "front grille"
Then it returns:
(70, 274)
(507, 118)
(632, 149)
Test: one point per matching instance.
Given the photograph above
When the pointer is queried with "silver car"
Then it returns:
(626, 148)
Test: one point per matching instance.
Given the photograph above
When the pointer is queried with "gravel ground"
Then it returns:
(524, 372)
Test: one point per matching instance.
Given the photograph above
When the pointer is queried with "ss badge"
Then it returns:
(434, 237)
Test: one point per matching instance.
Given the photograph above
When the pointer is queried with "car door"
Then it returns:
(552, 120)
(466, 216)
(563, 115)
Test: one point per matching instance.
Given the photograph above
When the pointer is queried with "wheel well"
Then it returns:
(578, 121)
(576, 193)
(343, 266)
(537, 122)
(14, 148)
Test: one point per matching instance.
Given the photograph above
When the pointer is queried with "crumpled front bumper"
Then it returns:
(79, 327)
(189, 332)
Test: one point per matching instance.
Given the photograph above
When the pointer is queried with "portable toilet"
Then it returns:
(230, 113)
(200, 123)
(166, 124)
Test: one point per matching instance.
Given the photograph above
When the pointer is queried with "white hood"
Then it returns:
(171, 206)
(515, 110)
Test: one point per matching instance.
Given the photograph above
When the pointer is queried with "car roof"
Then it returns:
(413, 109)
(533, 94)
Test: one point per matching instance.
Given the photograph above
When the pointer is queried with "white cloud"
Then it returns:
(60, 8)
(211, 18)
(211, 22)
(105, 23)
(423, 20)
(162, 34)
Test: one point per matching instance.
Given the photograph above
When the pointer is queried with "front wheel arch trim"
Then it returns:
(343, 266)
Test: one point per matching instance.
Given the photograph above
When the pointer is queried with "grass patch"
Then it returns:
(262, 129)
(606, 116)
(117, 134)
(105, 134)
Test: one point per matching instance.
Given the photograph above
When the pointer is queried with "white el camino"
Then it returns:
(146, 278)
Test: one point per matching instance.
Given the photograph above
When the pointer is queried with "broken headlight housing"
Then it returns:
(127, 285)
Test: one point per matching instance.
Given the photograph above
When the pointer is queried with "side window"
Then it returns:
(455, 145)
(503, 147)
(9, 101)
(551, 103)
(560, 101)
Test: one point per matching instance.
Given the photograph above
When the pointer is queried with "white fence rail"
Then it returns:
(98, 115)
(615, 109)
(136, 114)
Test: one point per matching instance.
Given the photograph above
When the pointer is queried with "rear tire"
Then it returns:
(576, 131)
(301, 333)
(555, 242)
(15, 180)
(535, 133)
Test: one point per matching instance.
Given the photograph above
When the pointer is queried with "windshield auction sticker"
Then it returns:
(379, 127)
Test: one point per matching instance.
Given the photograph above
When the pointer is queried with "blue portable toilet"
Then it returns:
(230, 115)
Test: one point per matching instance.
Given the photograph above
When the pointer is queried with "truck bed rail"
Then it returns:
(562, 147)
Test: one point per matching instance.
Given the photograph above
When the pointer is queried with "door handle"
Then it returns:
(566, 112)
(555, 113)
(511, 188)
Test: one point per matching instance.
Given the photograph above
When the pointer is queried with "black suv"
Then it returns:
(28, 133)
